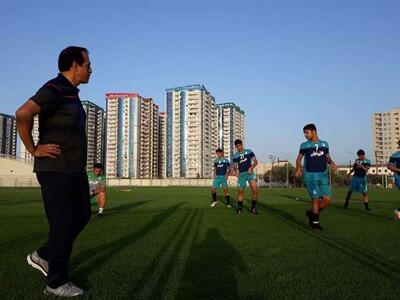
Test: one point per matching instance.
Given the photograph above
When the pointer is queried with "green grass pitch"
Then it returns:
(167, 243)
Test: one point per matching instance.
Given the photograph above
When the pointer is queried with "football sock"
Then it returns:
(228, 199)
(253, 203)
(366, 205)
(240, 204)
(101, 210)
(214, 196)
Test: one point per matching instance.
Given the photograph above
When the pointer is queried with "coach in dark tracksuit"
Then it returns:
(60, 161)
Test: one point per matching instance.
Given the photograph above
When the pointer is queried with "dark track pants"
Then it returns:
(67, 205)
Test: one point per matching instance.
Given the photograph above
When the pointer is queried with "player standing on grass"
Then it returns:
(244, 163)
(394, 166)
(60, 162)
(315, 172)
(221, 173)
(359, 180)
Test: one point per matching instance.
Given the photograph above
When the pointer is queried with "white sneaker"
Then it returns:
(213, 203)
(66, 290)
(228, 206)
(38, 263)
(397, 214)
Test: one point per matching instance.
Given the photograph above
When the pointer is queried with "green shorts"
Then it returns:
(93, 200)
(318, 188)
(244, 177)
(220, 181)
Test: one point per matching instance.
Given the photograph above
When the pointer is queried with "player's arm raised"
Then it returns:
(25, 115)
(298, 165)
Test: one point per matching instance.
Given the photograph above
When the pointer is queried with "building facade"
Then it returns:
(162, 145)
(8, 135)
(385, 134)
(95, 124)
(230, 127)
(25, 155)
(132, 136)
(191, 132)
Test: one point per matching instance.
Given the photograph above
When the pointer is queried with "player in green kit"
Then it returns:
(244, 163)
(315, 172)
(394, 166)
(221, 173)
(97, 184)
(359, 180)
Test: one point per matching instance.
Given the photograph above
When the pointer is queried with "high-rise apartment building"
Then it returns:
(230, 127)
(191, 131)
(385, 134)
(25, 155)
(162, 146)
(8, 135)
(132, 136)
(95, 123)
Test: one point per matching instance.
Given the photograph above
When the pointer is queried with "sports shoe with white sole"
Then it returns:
(213, 203)
(397, 214)
(68, 290)
(228, 206)
(38, 263)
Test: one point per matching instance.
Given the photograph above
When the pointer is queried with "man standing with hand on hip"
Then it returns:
(60, 161)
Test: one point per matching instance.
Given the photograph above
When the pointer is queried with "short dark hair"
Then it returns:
(361, 152)
(238, 142)
(310, 126)
(69, 55)
(219, 150)
(98, 166)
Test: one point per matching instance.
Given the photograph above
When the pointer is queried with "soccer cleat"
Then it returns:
(100, 214)
(254, 211)
(68, 290)
(397, 214)
(367, 209)
(316, 226)
(239, 211)
(228, 206)
(213, 203)
(38, 263)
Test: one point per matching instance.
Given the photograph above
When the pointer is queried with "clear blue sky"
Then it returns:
(286, 63)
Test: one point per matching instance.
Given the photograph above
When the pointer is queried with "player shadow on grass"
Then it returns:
(93, 258)
(123, 207)
(162, 275)
(19, 202)
(336, 204)
(375, 262)
(211, 270)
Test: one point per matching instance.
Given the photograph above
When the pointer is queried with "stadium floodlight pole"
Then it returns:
(272, 158)
(287, 171)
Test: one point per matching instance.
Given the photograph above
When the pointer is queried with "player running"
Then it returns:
(394, 166)
(315, 172)
(245, 161)
(359, 181)
(221, 173)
